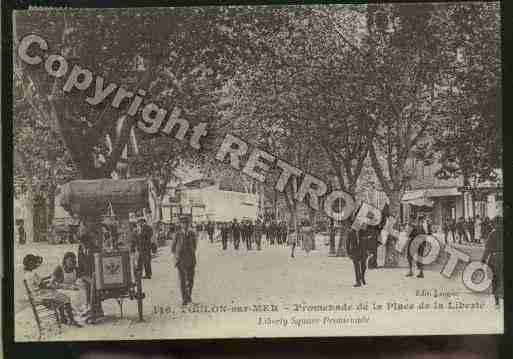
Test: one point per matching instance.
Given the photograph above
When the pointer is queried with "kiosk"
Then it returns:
(113, 273)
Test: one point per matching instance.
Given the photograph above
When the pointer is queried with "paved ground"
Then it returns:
(237, 279)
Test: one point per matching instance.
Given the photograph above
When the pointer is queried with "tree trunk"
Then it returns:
(51, 203)
(391, 255)
(313, 217)
(275, 205)
(29, 212)
(332, 237)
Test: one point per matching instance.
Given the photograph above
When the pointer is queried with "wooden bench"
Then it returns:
(43, 310)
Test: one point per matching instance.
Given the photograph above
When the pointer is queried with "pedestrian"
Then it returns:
(469, 229)
(422, 227)
(236, 232)
(184, 251)
(452, 228)
(356, 247)
(22, 236)
(460, 228)
(249, 234)
(293, 238)
(88, 246)
(278, 232)
(372, 246)
(307, 235)
(243, 231)
(199, 230)
(283, 233)
(210, 231)
(161, 236)
(478, 229)
(224, 235)
(144, 248)
(273, 231)
(445, 229)
(257, 234)
(486, 227)
(493, 256)
(267, 228)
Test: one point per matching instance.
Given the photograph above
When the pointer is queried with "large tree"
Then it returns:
(179, 56)
(469, 141)
(306, 98)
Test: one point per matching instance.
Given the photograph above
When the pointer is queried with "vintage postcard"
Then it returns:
(257, 171)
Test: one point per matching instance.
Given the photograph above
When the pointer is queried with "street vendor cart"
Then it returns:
(112, 271)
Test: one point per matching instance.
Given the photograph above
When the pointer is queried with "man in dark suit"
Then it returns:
(243, 232)
(257, 233)
(236, 234)
(210, 231)
(273, 230)
(356, 247)
(225, 229)
(184, 250)
(283, 233)
(249, 234)
(493, 256)
(88, 237)
(144, 248)
(422, 227)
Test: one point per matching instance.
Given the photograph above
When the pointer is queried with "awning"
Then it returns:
(417, 198)
(420, 202)
(443, 192)
(415, 194)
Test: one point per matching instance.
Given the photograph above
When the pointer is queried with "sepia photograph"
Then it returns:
(257, 171)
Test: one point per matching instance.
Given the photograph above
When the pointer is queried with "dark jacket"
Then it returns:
(210, 228)
(357, 243)
(184, 249)
(224, 231)
(258, 229)
(236, 230)
(85, 256)
(145, 238)
(493, 244)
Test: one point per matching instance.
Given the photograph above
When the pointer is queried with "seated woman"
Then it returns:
(66, 280)
(43, 292)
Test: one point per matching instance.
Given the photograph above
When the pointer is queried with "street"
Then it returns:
(234, 290)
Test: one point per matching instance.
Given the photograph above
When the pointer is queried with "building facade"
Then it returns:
(446, 199)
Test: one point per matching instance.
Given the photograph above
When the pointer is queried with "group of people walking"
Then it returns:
(470, 230)
(252, 234)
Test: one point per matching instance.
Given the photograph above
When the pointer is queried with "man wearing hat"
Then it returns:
(236, 232)
(184, 250)
(420, 227)
(356, 247)
(358, 241)
(144, 236)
